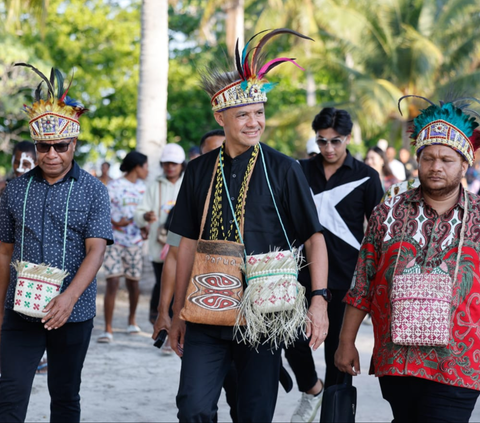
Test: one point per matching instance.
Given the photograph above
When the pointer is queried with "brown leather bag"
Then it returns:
(216, 285)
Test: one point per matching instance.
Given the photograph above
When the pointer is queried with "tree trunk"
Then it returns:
(234, 25)
(153, 83)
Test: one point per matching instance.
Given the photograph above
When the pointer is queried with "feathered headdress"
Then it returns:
(450, 123)
(248, 84)
(56, 117)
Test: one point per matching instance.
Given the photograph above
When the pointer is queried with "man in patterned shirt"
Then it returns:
(426, 340)
(57, 215)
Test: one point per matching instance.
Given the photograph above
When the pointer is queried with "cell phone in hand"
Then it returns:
(160, 338)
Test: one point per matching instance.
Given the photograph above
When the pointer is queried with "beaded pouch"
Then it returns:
(37, 285)
(421, 305)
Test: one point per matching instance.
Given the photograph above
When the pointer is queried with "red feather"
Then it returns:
(475, 139)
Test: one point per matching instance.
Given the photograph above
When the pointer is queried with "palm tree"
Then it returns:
(152, 88)
(234, 22)
(15, 8)
(400, 47)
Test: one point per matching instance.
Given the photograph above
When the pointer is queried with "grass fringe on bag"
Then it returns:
(43, 271)
(273, 305)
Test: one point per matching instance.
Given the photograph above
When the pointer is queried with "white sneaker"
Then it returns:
(307, 408)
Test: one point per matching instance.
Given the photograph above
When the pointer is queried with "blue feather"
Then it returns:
(72, 102)
(447, 112)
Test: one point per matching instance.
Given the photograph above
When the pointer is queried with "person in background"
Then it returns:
(377, 160)
(154, 208)
(397, 167)
(124, 258)
(193, 153)
(417, 275)
(24, 158)
(104, 176)
(312, 147)
(411, 166)
(345, 191)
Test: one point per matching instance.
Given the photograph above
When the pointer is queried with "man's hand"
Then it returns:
(317, 324)
(144, 233)
(58, 311)
(150, 216)
(177, 335)
(347, 359)
(162, 322)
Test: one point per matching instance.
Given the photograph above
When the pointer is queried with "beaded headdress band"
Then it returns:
(56, 117)
(248, 84)
(450, 123)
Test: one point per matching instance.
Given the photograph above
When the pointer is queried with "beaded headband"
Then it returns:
(56, 117)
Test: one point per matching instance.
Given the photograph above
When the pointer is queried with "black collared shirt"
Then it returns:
(88, 217)
(343, 202)
(263, 231)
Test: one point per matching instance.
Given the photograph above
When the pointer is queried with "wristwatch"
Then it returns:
(325, 293)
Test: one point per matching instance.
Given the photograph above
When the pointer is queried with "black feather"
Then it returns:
(38, 92)
(238, 61)
(60, 82)
(412, 95)
(50, 88)
(52, 79)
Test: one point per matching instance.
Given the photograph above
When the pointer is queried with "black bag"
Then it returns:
(339, 401)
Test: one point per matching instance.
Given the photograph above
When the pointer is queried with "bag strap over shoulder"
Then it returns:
(207, 200)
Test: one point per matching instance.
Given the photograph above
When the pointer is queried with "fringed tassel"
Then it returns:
(43, 271)
(279, 328)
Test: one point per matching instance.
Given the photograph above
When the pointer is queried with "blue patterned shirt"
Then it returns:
(88, 217)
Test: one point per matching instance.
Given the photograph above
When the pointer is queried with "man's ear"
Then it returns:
(219, 118)
(464, 167)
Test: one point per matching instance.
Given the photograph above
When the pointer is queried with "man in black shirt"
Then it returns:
(345, 192)
(208, 350)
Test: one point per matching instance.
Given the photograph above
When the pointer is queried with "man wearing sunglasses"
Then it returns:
(345, 192)
(56, 219)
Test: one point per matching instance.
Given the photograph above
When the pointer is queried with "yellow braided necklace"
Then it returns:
(217, 215)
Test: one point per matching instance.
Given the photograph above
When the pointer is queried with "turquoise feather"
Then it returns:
(447, 112)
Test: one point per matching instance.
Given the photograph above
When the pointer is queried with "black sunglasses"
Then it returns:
(44, 147)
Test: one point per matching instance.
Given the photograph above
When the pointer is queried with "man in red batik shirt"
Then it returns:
(427, 344)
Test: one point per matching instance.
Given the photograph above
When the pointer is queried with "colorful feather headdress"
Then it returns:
(451, 123)
(248, 84)
(56, 117)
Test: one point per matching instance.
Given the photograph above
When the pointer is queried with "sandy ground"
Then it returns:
(129, 380)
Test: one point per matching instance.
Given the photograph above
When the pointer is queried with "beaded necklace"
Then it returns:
(217, 215)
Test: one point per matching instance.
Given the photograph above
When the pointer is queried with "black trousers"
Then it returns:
(420, 400)
(207, 358)
(300, 357)
(22, 346)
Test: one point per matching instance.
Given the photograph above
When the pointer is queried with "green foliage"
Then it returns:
(366, 54)
(96, 42)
